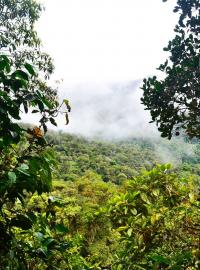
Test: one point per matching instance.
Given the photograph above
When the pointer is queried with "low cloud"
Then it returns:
(113, 111)
(108, 111)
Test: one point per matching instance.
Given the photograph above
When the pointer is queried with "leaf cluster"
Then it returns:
(174, 101)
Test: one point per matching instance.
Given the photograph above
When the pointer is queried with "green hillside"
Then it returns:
(118, 160)
(105, 193)
(111, 205)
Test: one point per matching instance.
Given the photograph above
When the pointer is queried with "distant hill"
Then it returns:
(121, 159)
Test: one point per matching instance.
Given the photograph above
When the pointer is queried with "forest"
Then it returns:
(68, 202)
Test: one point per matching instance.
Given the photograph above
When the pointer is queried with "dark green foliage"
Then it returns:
(90, 223)
(26, 159)
(18, 38)
(113, 161)
(107, 213)
(16, 93)
(158, 221)
(118, 161)
(111, 245)
(174, 101)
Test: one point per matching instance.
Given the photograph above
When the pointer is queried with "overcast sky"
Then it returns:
(102, 49)
(106, 40)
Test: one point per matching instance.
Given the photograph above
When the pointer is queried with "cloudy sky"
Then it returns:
(101, 48)
(106, 40)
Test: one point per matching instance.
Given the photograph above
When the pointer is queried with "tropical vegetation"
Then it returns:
(67, 202)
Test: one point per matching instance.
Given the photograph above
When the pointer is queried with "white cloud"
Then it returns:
(106, 40)
(105, 110)
(97, 45)
(108, 111)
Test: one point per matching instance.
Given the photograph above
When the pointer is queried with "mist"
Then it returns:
(113, 112)
(104, 110)
(107, 111)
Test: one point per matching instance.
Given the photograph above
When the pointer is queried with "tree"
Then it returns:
(26, 158)
(18, 37)
(158, 222)
(174, 102)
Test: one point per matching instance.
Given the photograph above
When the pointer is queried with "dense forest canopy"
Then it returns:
(67, 202)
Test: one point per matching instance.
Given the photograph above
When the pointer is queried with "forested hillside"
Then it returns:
(117, 160)
(107, 193)
(111, 203)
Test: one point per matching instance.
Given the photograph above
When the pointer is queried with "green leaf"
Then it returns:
(24, 169)
(42, 253)
(35, 111)
(44, 100)
(12, 177)
(121, 228)
(160, 259)
(61, 228)
(40, 105)
(25, 106)
(30, 69)
(125, 210)
(32, 216)
(156, 192)
(20, 74)
(4, 63)
(49, 242)
(19, 83)
(129, 232)
(53, 122)
(66, 101)
(39, 235)
(144, 198)
(67, 118)
(67, 105)
(22, 222)
(134, 211)
(14, 112)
